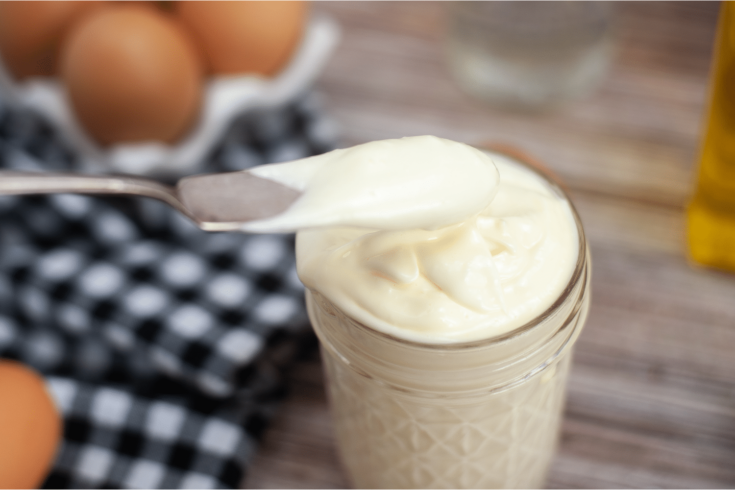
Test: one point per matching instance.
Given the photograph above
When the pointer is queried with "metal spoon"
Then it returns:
(215, 202)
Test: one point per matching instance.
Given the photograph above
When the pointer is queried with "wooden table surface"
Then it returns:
(652, 393)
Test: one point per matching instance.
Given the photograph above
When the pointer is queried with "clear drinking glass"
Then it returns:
(482, 414)
(529, 54)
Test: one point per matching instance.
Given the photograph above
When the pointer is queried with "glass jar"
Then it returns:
(481, 414)
(529, 54)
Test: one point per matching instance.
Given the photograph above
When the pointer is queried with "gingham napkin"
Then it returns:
(163, 345)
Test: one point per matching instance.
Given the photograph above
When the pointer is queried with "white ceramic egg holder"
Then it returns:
(224, 98)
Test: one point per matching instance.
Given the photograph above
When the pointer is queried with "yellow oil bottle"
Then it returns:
(711, 212)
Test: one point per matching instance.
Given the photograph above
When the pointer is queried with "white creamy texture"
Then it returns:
(420, 182)
(393, 258)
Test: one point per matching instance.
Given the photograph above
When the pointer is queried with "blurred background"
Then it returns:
(135, 318)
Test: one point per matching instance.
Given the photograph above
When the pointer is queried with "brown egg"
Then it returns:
(132, 74)
(31, 34)
(245, 37)
(30, 427)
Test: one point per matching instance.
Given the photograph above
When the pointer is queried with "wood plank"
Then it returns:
(636, 136)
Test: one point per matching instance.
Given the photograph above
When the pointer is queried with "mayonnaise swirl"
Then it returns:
(419, 238)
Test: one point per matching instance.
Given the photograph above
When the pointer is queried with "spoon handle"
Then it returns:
(18, 183)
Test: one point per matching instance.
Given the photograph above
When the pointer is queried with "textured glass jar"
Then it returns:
(482, 414)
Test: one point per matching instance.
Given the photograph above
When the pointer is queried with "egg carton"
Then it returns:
(224, 98)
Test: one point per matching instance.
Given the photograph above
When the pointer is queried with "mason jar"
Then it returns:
(480, 414)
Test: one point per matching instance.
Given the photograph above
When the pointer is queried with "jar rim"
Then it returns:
(556, 187)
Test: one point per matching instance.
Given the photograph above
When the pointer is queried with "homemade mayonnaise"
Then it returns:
(423, 258)
(427, 239)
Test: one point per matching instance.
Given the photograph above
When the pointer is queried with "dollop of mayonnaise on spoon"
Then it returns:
(420, 182)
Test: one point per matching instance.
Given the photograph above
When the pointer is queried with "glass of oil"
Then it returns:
(711, 212)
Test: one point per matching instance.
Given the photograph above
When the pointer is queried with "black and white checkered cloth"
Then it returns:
(163, 345)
